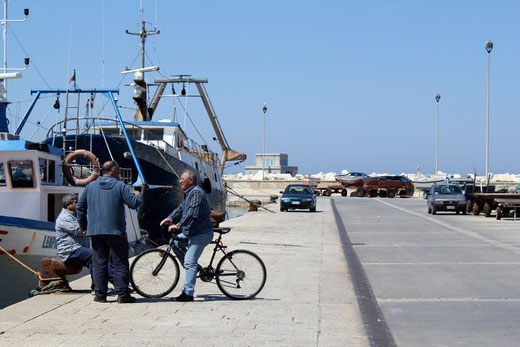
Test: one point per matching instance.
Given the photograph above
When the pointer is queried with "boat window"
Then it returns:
(51, 171)
(2, 175)
(43, 169)
(47, 170)
(21, 174)
(154, 134)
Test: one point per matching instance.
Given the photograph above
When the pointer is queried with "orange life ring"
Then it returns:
(67, 171)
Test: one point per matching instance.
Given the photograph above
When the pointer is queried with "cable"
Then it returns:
(191, 121)
(27, 54)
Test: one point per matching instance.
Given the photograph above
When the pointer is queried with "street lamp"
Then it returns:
(489, 48)
(437, 98)
(263, 155)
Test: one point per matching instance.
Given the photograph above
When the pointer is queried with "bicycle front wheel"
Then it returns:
(154, 273)
(240, 275)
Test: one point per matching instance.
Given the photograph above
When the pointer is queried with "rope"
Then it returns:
(191, 121)
(230, 190)
(103, 133)
(166, 161)
(44, 118)
(35, 273)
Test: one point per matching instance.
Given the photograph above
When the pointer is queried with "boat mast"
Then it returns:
(5, 76)
(140, 97)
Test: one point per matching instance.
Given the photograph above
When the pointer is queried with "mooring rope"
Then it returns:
(35, 273)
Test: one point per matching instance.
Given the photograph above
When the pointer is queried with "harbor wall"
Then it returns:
(267, 185)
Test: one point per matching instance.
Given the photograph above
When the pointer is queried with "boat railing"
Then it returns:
(134, 131)
(83, 171)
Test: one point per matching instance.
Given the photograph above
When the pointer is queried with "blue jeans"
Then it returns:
(116, 248)
(193, 247)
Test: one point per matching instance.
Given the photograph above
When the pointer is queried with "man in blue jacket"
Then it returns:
(193, 219)
(102, 205)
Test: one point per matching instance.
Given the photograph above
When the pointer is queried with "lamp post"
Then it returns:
(437, 98)
(489, 48)
(263, 155)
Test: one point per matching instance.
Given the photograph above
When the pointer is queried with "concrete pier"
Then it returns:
(308, 299)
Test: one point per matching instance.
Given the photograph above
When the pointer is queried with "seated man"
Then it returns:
(73, 246)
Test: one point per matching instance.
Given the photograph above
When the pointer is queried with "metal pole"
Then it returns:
(263, 155)
(437, 98)
(487, 122)
(5, 45)
(489, 48)
(437, 142)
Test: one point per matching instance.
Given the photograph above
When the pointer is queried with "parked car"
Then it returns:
(298, 196)
(446, 197)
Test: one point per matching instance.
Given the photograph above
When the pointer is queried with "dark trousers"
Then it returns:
(116, 248)
(83, 257)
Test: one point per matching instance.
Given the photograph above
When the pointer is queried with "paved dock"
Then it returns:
(308, 299)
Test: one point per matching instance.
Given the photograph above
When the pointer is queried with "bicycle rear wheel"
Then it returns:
(240, 275)
(154, 273)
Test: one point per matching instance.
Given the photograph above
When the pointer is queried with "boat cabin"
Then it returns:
(31, 180)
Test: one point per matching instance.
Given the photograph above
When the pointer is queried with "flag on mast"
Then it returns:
(73, 78)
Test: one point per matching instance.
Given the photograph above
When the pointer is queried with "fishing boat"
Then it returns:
(153, 148)
(152, 154)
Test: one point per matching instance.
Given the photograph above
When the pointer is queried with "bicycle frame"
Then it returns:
(219, 246)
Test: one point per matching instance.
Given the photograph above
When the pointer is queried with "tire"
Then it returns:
(469, 206)
(476, 209)
(313, 209)
(464, 211)
(282, 209)
(487, 209)
(391, 194)
(383, 193)
(343, 192)
(457, 212)
(240, 275)
(317, 193)
(360, 192)
(434, 211)
(143, 279)
(499, 213)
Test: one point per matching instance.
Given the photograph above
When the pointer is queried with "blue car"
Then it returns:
(298, 196)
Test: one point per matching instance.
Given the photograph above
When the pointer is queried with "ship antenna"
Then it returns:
(144, 34)
(140, 96)
(5, 76)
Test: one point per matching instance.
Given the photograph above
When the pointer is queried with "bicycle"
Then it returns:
(240, 274)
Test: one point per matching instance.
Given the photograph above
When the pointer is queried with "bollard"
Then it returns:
(253, 206)
(217, 217)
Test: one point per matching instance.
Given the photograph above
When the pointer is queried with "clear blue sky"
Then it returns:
(348, 84)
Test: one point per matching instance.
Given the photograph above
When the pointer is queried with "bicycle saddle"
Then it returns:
(222, 230)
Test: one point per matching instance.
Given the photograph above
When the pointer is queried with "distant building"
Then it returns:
(273, 163)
